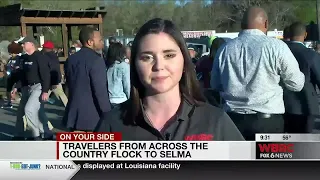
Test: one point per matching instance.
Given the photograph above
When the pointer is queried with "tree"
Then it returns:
(129, 15)
(219, 15)
(305, 11)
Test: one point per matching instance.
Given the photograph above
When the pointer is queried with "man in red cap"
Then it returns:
(55, 72)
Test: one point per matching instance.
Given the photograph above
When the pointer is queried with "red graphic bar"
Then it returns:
(88, 136)
(57, 150)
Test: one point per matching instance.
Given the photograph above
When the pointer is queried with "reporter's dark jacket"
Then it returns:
(55, 71)
(192, 123)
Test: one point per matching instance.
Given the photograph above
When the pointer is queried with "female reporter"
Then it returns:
(165, 101)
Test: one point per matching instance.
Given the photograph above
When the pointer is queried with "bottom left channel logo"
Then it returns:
(24, 166)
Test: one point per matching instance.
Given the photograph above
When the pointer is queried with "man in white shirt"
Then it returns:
(247, 72)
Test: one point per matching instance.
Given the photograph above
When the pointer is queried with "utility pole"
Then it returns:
(318, 17)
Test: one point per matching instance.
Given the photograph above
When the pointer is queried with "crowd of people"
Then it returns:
(154, 89)
(267, 85)
(33, 73)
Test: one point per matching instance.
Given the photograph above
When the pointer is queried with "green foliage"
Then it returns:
(306, 12)
(219, 15)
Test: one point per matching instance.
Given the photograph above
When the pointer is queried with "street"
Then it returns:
(8, 119)
(55, 114)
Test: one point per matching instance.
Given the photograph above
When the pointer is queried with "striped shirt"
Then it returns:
(248, 69)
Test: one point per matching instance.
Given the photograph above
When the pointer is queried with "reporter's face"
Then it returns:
(159, 63)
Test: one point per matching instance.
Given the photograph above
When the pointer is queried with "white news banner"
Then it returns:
(157, 150)
(37, 170)
(52, 150)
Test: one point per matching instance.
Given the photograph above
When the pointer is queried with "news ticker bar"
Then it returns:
(287, 137)
(37, 169)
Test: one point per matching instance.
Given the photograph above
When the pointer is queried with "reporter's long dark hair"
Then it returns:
(189, 85)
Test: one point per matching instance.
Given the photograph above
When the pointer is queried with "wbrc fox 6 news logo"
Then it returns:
(24, 166)
(275, 150)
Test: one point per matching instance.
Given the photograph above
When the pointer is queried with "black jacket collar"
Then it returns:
(184, 112)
